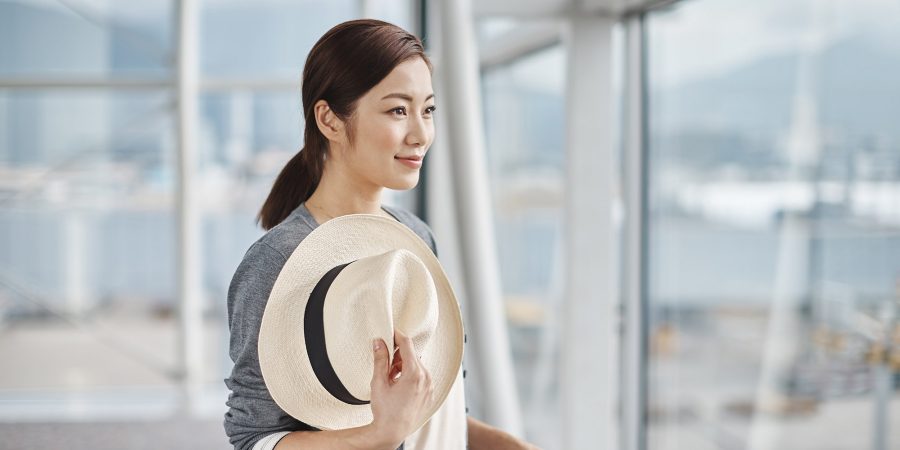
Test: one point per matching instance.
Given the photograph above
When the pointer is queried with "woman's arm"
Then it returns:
(252, 413)
(485, 437)
(361, 438)
(401, 392)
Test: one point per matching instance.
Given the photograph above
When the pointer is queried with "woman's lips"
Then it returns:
(411, 163)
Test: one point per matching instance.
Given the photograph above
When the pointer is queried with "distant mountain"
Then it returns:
(857, 90)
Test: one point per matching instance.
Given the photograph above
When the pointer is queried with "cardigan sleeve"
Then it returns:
(252, 413)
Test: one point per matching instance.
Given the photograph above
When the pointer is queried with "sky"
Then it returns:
(699, 38)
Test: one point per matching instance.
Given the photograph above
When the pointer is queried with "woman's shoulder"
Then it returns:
(416, 224)
(281, 241)
(283, 238)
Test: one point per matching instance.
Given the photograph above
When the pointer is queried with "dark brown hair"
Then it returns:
(346, 62)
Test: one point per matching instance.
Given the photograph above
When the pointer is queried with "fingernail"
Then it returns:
(376, 344)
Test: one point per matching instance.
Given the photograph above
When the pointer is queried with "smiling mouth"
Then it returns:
(409, 162)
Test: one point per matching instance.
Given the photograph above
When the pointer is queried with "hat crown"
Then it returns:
(370, 298)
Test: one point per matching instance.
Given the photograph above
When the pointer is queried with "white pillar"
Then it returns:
(782, 343)
(883, 374)
(797, 237)
(190, 344)
(76, 238)
(589, 343)
(487, 322)
(442, 216)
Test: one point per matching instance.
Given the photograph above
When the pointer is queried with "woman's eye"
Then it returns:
(430, 110)
(399, 110)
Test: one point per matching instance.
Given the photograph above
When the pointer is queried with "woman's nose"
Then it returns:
(418, 134)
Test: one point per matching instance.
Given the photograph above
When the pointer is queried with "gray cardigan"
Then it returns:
(252, 414)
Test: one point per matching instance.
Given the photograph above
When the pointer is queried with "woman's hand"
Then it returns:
(400, 392)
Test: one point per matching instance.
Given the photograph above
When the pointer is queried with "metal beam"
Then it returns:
(85, 83)
(249, 84)
(519, 42)
(634, 237)
(150, 83)
(522, 8)
(544, 9)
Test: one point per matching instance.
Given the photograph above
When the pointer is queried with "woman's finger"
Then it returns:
(407, 352)
(380, 354)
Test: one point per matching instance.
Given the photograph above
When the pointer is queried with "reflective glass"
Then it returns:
(88, 235)
(58, 38)
(774, 224)
(247, 138)
(86, 246)
(525, 128)
(264, 38)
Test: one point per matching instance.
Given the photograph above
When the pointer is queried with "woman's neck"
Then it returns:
(338, 194)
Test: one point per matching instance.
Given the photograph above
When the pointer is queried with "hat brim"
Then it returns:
(285, 366)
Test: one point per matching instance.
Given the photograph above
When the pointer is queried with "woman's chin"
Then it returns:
(404, 184)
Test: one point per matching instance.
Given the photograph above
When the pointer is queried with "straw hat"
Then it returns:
(353, 279)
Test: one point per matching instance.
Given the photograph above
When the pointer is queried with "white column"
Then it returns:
(366, 9)
(589, 343)
(793, 288)
(190, 345)
(442, 216)
(883, 374)
(76, 236)
(487, 321)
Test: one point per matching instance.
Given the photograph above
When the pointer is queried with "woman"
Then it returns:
(368, 106)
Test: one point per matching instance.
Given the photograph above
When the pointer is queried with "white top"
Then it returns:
(447, 429)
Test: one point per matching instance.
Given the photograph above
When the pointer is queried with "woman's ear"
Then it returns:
(330, 125)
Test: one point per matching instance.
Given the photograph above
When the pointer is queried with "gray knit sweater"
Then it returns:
(252, 413)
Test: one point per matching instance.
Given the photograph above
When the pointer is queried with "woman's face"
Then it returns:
(393, 127)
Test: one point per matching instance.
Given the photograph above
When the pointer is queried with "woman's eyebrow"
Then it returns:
(403, 96)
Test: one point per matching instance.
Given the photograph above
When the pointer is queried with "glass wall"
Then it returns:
(524, 106)
(774, 224)
(86, 189)
(87, 195)
(251, 121)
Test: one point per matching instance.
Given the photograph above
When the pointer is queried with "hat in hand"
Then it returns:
(354, 279)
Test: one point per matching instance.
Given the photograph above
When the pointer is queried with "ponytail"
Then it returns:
(294, 185)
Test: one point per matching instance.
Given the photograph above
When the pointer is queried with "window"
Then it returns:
(773, 224)
(524, 105)
(87, 189)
